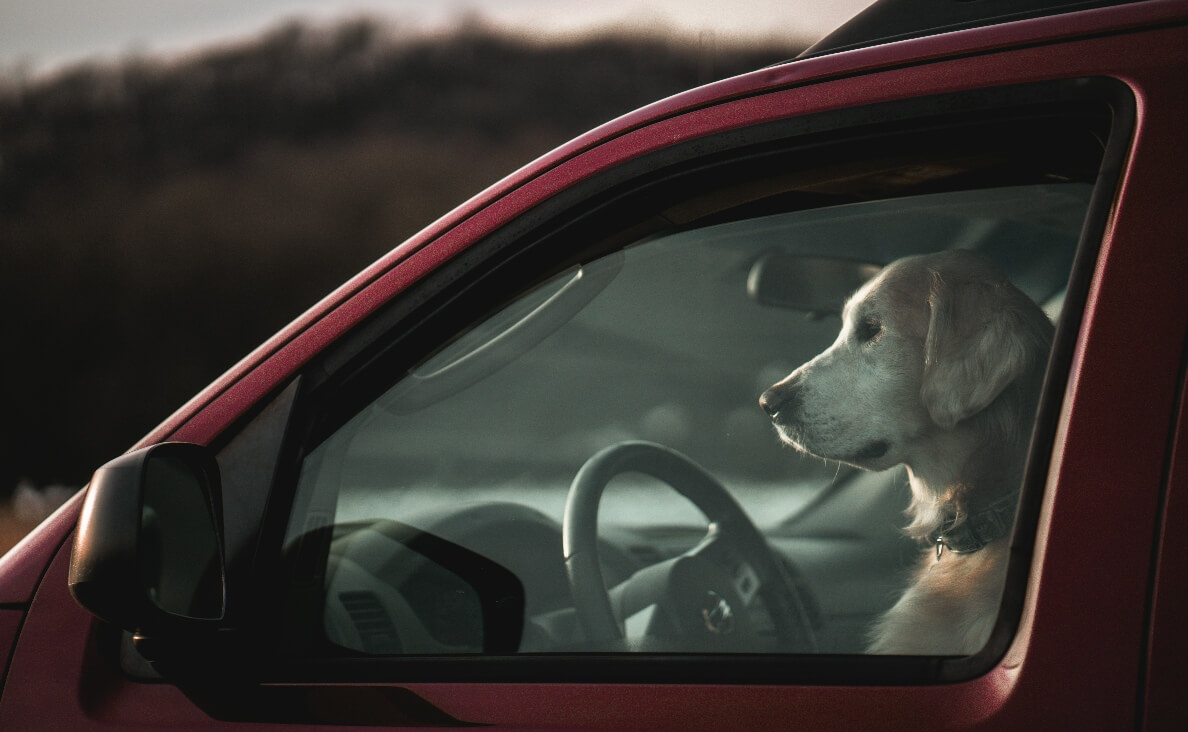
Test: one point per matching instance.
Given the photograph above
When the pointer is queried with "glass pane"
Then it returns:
(180, 562)
(671, 341)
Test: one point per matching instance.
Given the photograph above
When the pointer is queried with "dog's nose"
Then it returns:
(783, 398)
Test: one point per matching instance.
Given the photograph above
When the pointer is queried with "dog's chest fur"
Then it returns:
(950, 606)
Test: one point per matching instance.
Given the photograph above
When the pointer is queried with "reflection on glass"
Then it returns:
(179, 542)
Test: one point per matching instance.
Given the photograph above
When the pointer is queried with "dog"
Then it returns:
(938, 366)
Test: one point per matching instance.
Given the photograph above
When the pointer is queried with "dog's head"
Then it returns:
(926, 345)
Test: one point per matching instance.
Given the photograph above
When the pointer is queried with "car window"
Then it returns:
(629, 455)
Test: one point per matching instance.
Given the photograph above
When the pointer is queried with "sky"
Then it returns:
(42, 35)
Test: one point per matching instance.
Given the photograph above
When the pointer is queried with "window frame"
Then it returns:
(516, 256)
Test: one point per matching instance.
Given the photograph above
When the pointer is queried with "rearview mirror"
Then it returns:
(817, 285)
(148, 553)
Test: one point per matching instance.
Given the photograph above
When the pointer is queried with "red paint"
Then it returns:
(21, 568)
(1086, 643)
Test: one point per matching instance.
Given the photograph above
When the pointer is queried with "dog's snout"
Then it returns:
(781, 399)
(771, 400)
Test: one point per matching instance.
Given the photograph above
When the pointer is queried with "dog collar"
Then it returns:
(977, 529)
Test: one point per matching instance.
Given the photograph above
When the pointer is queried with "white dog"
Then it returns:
(938, 366)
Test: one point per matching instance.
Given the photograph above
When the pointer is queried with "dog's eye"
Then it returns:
(868, 330)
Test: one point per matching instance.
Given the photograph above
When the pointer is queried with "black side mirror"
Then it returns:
(148, 553)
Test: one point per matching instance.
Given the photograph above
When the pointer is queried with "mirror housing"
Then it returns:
(148, 551)
(817, 285)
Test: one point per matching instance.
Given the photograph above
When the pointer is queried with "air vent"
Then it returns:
(371, 622)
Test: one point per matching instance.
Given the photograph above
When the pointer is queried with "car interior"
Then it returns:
(466, 465)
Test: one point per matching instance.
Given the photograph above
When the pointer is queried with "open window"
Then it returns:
(561, 451)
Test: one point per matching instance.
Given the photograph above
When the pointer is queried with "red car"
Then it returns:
(516, 473)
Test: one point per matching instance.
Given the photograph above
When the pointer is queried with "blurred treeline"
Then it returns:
(159, 220)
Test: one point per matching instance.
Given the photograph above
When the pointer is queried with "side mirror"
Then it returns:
(148, 552)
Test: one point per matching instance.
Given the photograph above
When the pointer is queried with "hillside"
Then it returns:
(158, 220)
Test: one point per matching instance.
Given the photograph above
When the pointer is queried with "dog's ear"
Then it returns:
(979, 341)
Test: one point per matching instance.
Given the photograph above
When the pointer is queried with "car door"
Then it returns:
(395, 488)
(429, 466)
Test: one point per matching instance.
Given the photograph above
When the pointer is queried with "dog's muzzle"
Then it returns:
(782, 401)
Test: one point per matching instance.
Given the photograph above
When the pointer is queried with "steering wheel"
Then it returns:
(705, 593)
